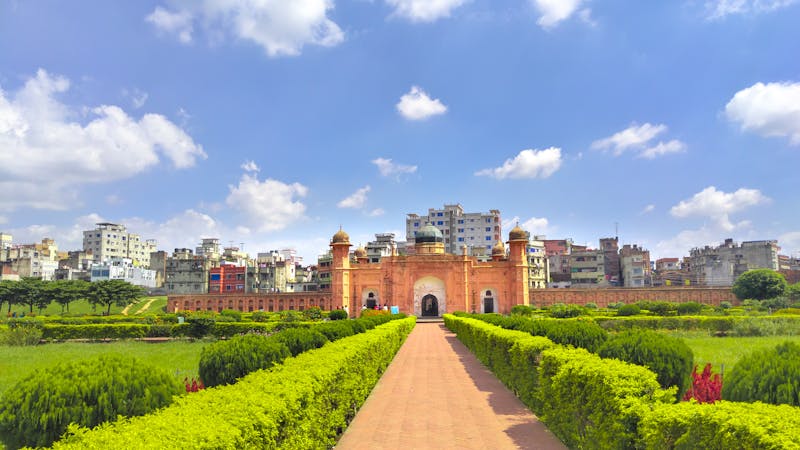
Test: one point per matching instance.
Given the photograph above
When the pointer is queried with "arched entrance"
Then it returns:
(430, 306)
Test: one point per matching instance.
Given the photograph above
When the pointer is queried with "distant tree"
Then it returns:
(109, 292)
(759, 284)
(28, 291)
(65, 292)
(6, 293)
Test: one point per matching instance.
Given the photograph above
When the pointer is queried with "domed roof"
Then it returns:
(428, 233)
(360, 252)
(340, 237)
(517, 234)
(499, 249)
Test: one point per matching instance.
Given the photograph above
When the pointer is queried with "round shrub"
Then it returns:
(312, 313)
(224, 362)
(590, 305)
(689, 308)
(199, 326)
(521, 310)
(769, 376)
(628, 310)
(299, 340)
(670, 358)
(334, 330)
(337, 314)
(38, 409)
(233, 314)
(259, 316)
(561, 311)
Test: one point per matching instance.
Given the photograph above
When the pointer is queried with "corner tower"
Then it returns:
(340, 273)
(518, 261)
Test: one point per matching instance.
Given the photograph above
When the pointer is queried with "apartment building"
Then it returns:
(116, 268)
(722, 265)
(111, 240)
(478, 231)
(587, 268)
(228, 279)
(611, 258)
(635, 265)
(538, 269)
(383, 245)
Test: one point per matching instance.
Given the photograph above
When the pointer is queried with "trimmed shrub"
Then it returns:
(96, 331)
(224, 362)
(521, 310)
(22, 332)
(658, 308)
(260, 316)
(229, 329)
(566, 311)
(232, 313)
(337, 314)
(579, 332)
(769, 376)
(299, 340)
(334, 330)
(629, 310)
(313, 313)
(304, 403)
(39, 408)
(689, 308)
(590, 305)
(199, 326)
(670, 358)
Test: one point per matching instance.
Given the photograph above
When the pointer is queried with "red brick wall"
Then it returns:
(603, 297)
(249, 302)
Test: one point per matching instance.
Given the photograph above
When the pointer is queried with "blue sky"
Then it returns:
(272, 123)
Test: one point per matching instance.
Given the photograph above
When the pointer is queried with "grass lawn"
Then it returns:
(84, 307)
(180, 358)
(727, 350)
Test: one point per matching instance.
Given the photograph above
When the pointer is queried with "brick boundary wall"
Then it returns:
(297, 301)
(602, 297)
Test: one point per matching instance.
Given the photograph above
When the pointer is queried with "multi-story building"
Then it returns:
(158, 263)
(478, 231)
(228, 278)
(588, 268)
(611, 258)
(186, 273)
(539, 273)
(111, 240)
(273, 272)
(209, 248)
(32, 260)
(557, 252)
(123, 269)
(383, 245)
(670, 272)
(635, 264)
(722, 265)
(6, 241)
(323, 274)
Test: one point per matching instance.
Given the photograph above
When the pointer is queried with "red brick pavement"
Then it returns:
(436, 395)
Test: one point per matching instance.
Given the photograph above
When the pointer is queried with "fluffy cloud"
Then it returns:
(552, 12)
(387, 168)
(424, 10)
(771, 109)
(278, 26)
(268, 205)
(137, 97)
(718, 205)
(417, 105)
(638, 138)
(46, 155)
(356, 200)
(717, 9)
(528, 163)
(535, 225)
(648, 209)
(376, 212)
(250, 166)
(790, 243)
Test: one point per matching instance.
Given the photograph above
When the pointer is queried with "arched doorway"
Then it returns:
(372, 302)
(430, 306)
(488, 303)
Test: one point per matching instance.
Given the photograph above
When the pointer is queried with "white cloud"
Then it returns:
(268, 205)
(138, 97)
(250, 166)
(184, 230)
(552, 12)
(717, 9)
(280, 27)
(530, 163)
(178, 23)
(424, 10)
(387, 168)
(355, 200)
(771, 109)
(663, 148)
(39, 137)
(3, 220)
(648, 209)
(113, 199)
(535, 225)
(790, 243)
(718, 205)
(376, 212)
(417, 105)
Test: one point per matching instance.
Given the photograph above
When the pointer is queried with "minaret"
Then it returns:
(340, 275)
(518, 261)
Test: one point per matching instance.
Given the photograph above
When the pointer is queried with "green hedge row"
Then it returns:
(306, 402)
(595, 403)
(60, 332)
(737, 325)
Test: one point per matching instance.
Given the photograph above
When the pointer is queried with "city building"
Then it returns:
(227, 279)
(115, 268)
(382, 246)
(670, 272)
(557, 252)
(32, 260)
(111, 240)
(539, 274)
(635, 264)
(478, 231)
(611, 260)
(722, 265)
(186, 273)
(209, 248)
(587, 268)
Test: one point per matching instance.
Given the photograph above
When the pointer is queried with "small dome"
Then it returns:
(340, 237)
(517, 234)
(428, 233)
(360, 252)
(499, 249)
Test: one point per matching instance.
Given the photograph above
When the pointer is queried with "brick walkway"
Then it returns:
(436, 395)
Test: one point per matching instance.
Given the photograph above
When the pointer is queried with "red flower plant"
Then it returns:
(706, 388)
(194, 386)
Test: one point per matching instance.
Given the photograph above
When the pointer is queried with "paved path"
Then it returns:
(436, 395)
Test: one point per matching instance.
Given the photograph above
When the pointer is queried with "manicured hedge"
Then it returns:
(734, 325)
(303, 403)
(95, 331)
(581, 332)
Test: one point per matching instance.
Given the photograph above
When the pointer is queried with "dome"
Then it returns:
(428, 233)
(499, 249)
(360, 252)
(340, 237)
(517, 234)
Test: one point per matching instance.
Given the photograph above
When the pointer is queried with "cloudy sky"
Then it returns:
(272, 123)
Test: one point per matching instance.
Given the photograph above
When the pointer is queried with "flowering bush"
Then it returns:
(706, 388)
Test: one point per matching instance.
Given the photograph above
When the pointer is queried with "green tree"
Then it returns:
(28, 291)
(759, 284)
(65, 292)
(109, 292)
(6, 293)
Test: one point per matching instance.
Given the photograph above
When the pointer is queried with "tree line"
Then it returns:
(38, 293)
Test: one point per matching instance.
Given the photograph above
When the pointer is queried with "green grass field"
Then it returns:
(84, 307)
(180, 358)
(726, 351)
